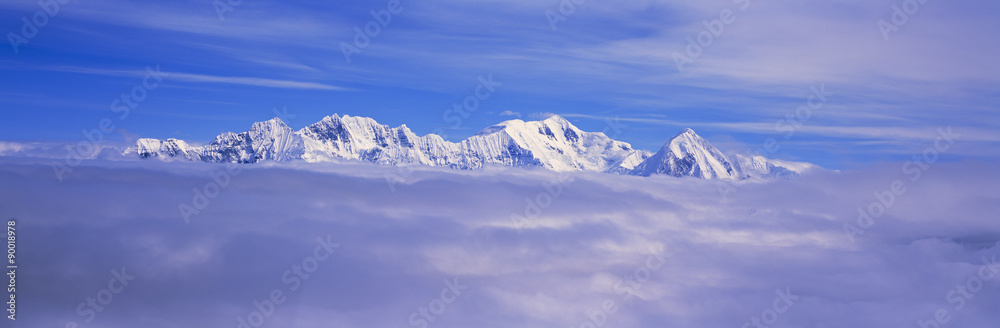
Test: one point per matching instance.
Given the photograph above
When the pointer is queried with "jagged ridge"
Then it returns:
(553, 143)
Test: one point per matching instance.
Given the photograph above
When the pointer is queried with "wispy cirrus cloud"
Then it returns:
(510, 113)
(203, 78)
(254, 81)
(858, 132)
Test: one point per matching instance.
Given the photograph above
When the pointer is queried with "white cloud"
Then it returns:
(203, 78)
(510, 113)
(541, 115)
(254, 81)
(727, 256)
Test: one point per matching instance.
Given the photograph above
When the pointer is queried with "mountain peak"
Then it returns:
(559, 121)
(549, 124)
(686, 137)
(272, 125)
(499, 127)
(556, 118)
(688, 154)
(686, 134)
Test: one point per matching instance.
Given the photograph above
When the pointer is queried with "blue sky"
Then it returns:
(606, 59)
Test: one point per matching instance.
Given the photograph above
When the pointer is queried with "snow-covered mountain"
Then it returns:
(553, 143)
(688, 154)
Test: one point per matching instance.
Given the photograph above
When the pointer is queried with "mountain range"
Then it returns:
(553, 143)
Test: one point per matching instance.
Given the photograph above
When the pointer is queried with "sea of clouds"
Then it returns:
(358, 245)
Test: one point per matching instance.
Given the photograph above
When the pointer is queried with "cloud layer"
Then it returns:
(665, 252)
